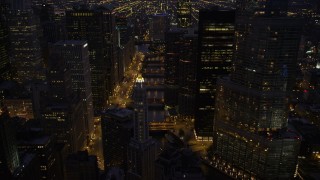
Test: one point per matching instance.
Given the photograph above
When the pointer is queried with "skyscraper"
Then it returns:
(262, 7)
(4, 44)
(184, 16)
(25, 44)
(180, 61)
(96, 26)
(187, 75)
(117, 129)
(174, 48)
(81, 166)
(251, 137)
(159, 26)
(142, 148)
(76, 56)
(9, 159)
(215, 52)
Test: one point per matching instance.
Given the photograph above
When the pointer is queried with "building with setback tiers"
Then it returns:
(251, 137)
(142, 149)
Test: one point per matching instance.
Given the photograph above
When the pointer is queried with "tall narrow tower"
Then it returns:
(215, 52)
(9, 159)
(76, 56)
(142, 148)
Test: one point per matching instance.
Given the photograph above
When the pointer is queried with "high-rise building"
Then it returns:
(4, 44)
(66, 121)
(58, 78)
(180, 69)
(184, 16)
(174, 47)
(96, 26)
(76, 56)
(43, 146)
(25, 45)
(178, 164)
(81, 166)
(262, 7)
(159, 26)
(251, 137)
(180, 59)
(142, 148)
(215, 52)
(117, 129)
(29, 167)
(9, 159)
(187, 75)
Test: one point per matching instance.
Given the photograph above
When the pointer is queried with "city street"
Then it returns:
(122, 92)
(121, 97)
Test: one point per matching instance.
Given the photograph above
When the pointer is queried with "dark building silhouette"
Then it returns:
(158, 27)
(180, 69)
(81, 166)
(96, 26)
(174, 47)
(29, 167)
(9, 159)
(262, 8)
(62, 109)
(44, 147)
(4, 44)
(117, 129)
(76, 58)
(215, 53)
(24, 29)
(178, 164)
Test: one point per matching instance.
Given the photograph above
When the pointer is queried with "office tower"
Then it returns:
(142, 148)
(25, 45)
(251, 137)
(4, 45)
(61, 111)
(262, 7)
(180, 59)
(178, 164)
(174, 47)
(124, 31)
(76, 57)
(81, 166)
(117, 129)
(9, 159)
(66, 121)
(59, 78)
(158, 27)
(96, 26)
(44, 147)
(184, 16)
(29, 167)
(215, 52)
(187, 75)
(125, 47)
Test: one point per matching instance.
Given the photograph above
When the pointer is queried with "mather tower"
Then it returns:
(142, 148)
